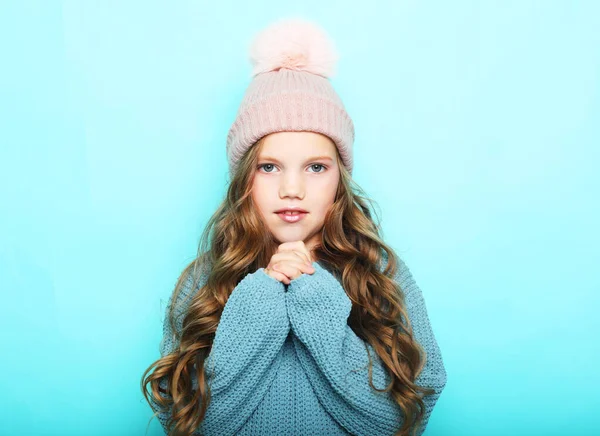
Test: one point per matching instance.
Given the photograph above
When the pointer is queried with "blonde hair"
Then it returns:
(234, 244)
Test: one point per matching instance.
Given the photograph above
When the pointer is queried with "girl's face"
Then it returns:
(296, 169)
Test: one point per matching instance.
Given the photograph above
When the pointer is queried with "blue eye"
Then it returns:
(318, 165)
(265, 165)
(311, 166)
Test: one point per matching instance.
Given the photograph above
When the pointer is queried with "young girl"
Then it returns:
(295, 318)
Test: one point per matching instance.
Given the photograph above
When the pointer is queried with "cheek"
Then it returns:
(326, 190)
(262, 195)
(261, 189)
(322, 193)
(324, 201)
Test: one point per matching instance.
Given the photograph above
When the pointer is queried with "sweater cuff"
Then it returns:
(309, 286)
(262, 276)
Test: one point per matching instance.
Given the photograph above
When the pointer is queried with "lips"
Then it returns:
(291, 212)
(291, 217)
(290, 209)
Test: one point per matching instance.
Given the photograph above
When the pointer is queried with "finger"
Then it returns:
(306, 251)
(293, 245)
(302, 256)
(293, 269)
(290, 272)
(279, 276)
(293, 263)
(292, 255)
(296, 246)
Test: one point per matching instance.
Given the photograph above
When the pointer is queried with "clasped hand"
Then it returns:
(290, 261)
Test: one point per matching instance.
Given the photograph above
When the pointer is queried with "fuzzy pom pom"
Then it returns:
(296, 44)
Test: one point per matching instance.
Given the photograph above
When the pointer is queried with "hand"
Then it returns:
(290, 261)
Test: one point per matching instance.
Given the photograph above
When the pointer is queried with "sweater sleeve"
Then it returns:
(243, 359)
(335, 358)
(434, 373)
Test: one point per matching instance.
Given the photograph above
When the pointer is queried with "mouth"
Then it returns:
(291, 216)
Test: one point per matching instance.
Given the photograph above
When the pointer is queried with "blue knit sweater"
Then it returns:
(284, 361)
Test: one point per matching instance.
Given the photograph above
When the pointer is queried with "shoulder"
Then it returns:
(192, 278)
(403, 275)
(190, 281)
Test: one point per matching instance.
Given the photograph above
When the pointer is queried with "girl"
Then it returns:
(295, 318)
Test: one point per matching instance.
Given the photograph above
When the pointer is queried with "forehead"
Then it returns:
(297, 145)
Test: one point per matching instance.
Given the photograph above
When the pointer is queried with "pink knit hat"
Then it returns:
(290, 91)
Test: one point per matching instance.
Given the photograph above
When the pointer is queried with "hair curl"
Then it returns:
(234, 244)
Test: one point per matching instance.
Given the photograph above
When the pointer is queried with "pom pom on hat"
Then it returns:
(290, 91)
(296, 44)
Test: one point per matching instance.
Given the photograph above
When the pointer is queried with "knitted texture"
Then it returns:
(286, 361)
(291, 91)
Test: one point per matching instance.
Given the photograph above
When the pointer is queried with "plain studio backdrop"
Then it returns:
(477, 134)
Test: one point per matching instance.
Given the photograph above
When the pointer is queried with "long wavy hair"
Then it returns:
(235, 243)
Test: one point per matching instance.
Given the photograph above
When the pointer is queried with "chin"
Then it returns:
(282, 237)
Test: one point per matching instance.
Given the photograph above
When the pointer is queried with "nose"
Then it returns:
(292, 185)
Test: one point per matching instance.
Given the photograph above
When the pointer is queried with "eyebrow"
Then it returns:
(309, 159)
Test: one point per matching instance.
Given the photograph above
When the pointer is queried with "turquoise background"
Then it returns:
(477, 134)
